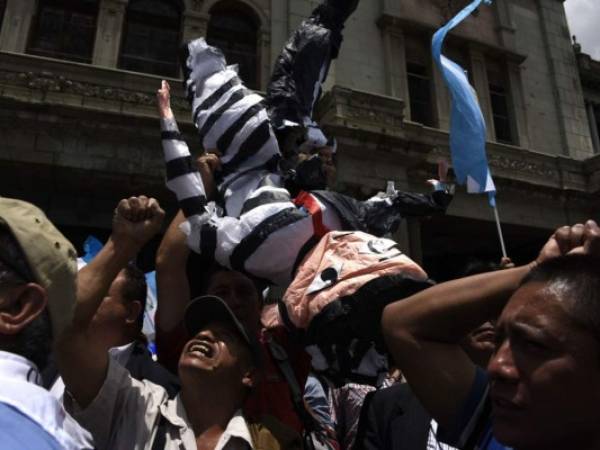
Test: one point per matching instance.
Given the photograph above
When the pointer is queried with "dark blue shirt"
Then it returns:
(472, 427)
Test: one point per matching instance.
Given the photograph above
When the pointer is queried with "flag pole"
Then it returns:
(500, 235)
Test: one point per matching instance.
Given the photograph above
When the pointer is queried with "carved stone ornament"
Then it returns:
(523, 166)
(50, 82)
(365, 107)
(512, 165)
(449, 8)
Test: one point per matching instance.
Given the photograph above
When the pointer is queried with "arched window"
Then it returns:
(151, 37)
(233, 27)
(64, 29)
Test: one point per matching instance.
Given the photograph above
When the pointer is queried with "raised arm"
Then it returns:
(171, 280)
(182, 177)
(415, 204)
(82, 360)
(423, 331)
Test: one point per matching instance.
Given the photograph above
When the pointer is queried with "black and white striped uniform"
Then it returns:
(273, 231)
(260, 230)
(267, 237)
(231, 119)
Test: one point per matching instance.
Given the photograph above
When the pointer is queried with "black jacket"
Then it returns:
(392, 419)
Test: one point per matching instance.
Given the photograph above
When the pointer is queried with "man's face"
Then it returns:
(545, 373)
(328, 164)
(240, 294)
(217, 352)
(111, 316)
(479, 344)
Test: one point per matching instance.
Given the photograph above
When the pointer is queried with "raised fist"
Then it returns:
(578, 238)
(137, 220)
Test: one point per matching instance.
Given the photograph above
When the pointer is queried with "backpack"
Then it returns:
(337, 298)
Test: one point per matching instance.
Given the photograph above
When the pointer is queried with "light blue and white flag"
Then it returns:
(467, 125)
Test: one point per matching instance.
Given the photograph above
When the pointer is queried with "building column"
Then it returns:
(506, 25)
(16, 24)
(109, 32)
(593, 126)
(481, 85)
(264, 58)
(409, 238)
(415, 240)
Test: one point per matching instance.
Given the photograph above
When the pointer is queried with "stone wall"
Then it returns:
(77, 137)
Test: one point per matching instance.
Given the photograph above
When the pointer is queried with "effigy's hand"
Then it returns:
(208, 164)
(163, 98)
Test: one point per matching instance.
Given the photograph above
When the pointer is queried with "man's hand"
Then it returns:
(506, 263)
(163, 97)
(81, 357)
(443, 168)
(575, 239)
(137, 220)
(591, 238)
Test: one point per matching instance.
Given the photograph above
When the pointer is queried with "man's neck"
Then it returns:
(209, 412)
(122, 339)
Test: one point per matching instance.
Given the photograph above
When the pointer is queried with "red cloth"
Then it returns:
(272, 396)
(310, 203)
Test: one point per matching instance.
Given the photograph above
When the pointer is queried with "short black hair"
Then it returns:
(477, 266)
(201, 271)
(577, 278)
(135, 288)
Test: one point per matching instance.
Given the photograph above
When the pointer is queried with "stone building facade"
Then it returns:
(79, 127)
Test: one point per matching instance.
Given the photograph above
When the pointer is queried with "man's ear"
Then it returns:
(251, 377)
(134, 309)
(21, 306)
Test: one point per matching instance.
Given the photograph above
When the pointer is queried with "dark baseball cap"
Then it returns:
(209, 308)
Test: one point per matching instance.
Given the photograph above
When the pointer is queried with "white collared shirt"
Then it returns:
(121, 354)
(433, 443)
(20, 387)
(137, 408)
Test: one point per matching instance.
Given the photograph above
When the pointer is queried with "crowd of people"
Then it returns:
(233, 387)
(362, 350)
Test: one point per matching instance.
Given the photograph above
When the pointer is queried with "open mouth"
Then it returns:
(505, 406)
(202, 348)
(485, 335)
